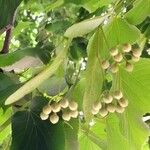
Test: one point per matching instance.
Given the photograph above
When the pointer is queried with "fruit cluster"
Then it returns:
(119, 54)
(110, 103)
(67, 108)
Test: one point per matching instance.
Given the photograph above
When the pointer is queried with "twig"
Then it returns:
(5, 29)
(5, 48)
(8, 29)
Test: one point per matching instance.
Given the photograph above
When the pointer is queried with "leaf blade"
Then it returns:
(30, 132)
(94, 76)
(129, 127)
(139, 12)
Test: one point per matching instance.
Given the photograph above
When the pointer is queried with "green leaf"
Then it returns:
(99, 129)
(71, 135)
(29, 132)
(58, 27)
(115, 139)
(119, 31)
(11, 58)
(146, 146)
(95, 135)
(130, 130)
(5, 81)
(54, 5)
(92, 138)
(112, 34)
(147, 32)
(84, 27)
(34, 5)
(78, 92)
(4, 116)
(23, 64)
(20, 26)
(4, 94)
(139, 12)
(78, 48)
(94, 76)
(132, 83)
(41, 77)
(5, 15)
(86, 143)
(8, 84)
(90, 5)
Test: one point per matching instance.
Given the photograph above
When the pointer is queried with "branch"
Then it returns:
(5, 48)
(5, 29)
(8, 30)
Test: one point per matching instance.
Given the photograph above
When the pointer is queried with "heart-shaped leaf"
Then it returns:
(132, 83)
(129, 128)
(119, 31)
(30, 132)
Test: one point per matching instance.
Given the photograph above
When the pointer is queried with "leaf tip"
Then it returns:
(7, 102)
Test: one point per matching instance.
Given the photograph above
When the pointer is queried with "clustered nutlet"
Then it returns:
(118, 54)
(110, 103)
(69, 110)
